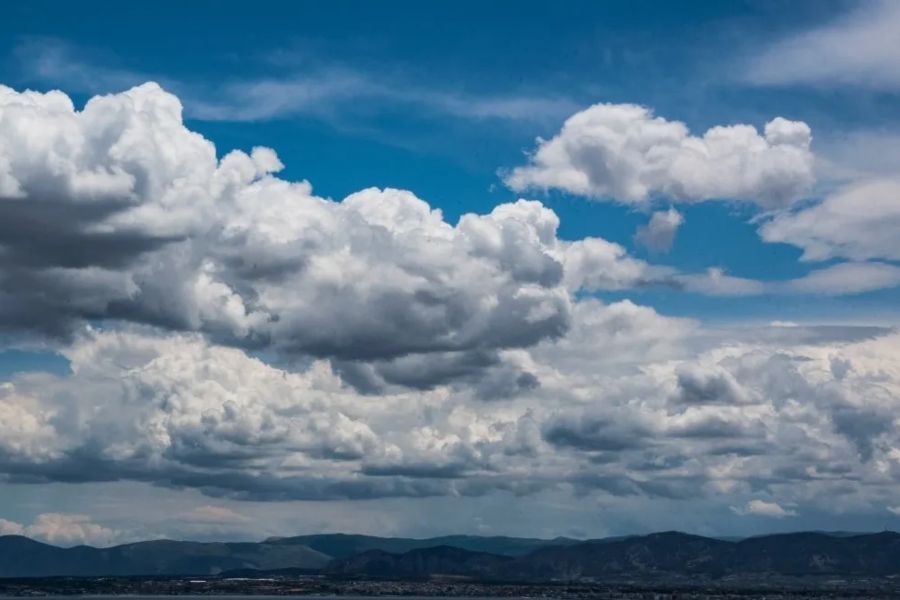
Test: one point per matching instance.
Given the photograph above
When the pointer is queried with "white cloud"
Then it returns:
(140, 221)
(622, 152)
(857, 154)
(860, 48)
(11, 528)
(859, 222)
(597, 264)
(764, 509)
(214, 514)
(63, 529)
(836, 280)
(659, 234)
(419, 358)
(847, 278)
(716, 282)
(669, 408)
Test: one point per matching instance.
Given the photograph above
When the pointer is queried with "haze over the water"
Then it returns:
(415, 269)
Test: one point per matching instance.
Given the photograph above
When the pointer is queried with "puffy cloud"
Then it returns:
(622, 152)
(860, 48)
(659, 234)
(176, 411)
(628, 403)
(595, 433)
(859, 222)
(63, 529)
(139, 220)
(715, 385)
(392, 328)
(597, 264)
(764, 509)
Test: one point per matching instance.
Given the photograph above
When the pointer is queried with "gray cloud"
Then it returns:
(858, 222)
(144, 223)
(595, 433)
(141, 222)
(398, 327)
(714, 386)
(669, 421)
(659, 234)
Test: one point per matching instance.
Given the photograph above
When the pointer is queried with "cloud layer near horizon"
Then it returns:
(630, 403)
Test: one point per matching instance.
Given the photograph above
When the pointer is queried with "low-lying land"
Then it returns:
(771, 588)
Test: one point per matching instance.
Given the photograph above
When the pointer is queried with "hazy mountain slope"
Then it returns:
(440, 560)
(21, 557)
(660, 554)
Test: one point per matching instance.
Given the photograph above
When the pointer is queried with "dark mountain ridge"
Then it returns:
(24, 557)
(674, 553)
(342, 545)
(665, 554)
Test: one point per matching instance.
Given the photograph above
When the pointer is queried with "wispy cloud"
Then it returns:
(328, 92)
(861, 48)
(763, 509)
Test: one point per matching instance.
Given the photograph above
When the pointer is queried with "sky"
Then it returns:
(426, 268)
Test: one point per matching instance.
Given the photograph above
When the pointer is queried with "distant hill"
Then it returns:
(340, 545)
(23, 557)
(659, 554)
(667, 554)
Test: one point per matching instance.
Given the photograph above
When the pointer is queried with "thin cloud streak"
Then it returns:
(327, 93)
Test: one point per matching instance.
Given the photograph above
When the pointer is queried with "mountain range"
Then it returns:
(480, 558)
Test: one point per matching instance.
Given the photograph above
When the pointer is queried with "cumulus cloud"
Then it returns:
(659, 234)
(716, 385)
(764, 509)
(858, 222)
(419, 358)
(174, 410)
(859, 48)
(63, 529)
(623, 152)
(629, 402)
(598, 264)
(139, 220)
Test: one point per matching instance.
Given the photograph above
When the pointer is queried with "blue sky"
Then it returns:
(449, 101)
